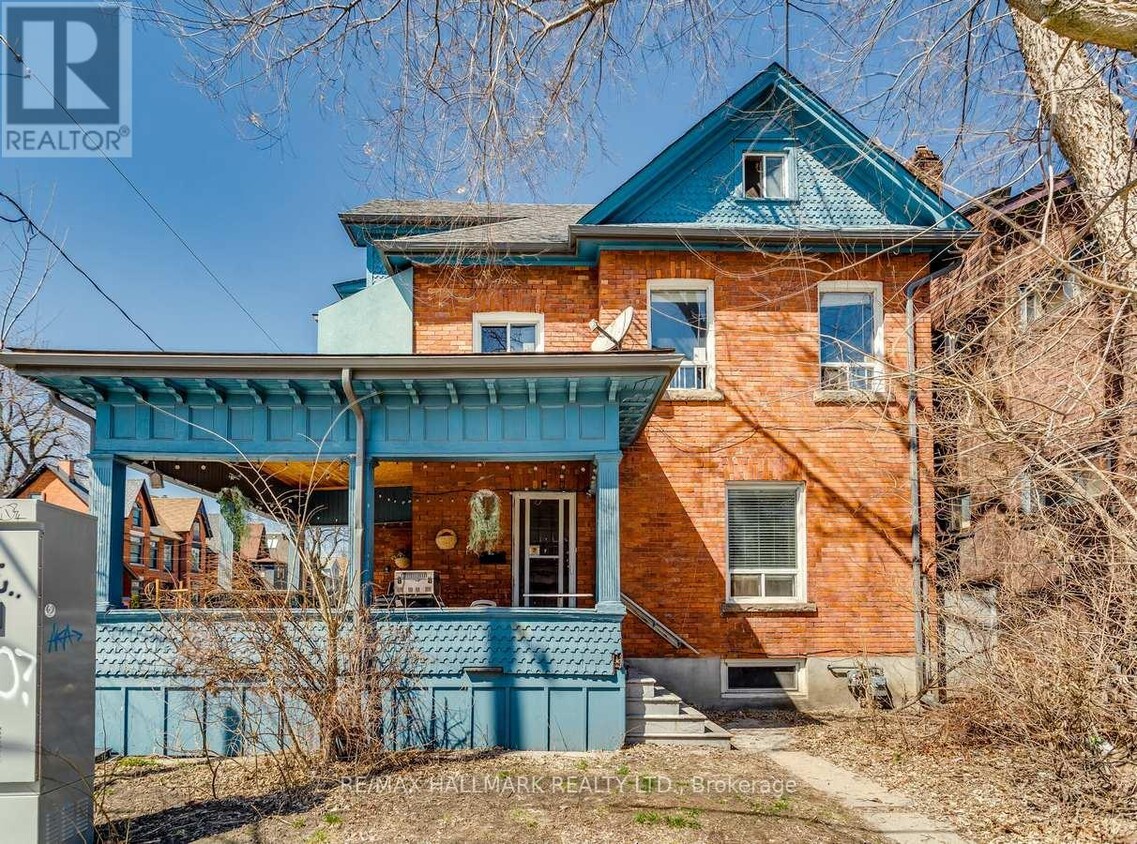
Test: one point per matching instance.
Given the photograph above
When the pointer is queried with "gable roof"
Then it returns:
(812, 122)
(77, 488)
(849, 189)
(178, 514)
(132, 489)
(253, 543)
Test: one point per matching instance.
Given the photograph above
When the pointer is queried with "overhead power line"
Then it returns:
(26, 218)
(169, 226)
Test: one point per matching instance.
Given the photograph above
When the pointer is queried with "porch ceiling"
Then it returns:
(632, 381)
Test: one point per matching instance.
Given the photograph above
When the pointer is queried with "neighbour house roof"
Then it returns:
(278, 545)
(178, 514)
(253, 542)
(67, 480)
(213, 542)
(845, 187)
(133, 488)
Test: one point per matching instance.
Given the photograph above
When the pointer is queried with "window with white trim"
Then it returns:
(747, 677)
(765, 542)
(765, 175)
(850, 315)
(505, 333)
(681, 317)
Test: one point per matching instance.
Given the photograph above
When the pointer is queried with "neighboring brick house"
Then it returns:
(1023, 415)
(149, 548)
(194, 562)
(57, 484)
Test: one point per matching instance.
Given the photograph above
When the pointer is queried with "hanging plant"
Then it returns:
(234, 507)
(485, 521)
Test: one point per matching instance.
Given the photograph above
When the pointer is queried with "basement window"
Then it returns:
(753, 677)
(765, 176)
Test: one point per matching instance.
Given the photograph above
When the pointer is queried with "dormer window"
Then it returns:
(765, 176)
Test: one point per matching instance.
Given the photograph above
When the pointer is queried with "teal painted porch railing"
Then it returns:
(524, 679)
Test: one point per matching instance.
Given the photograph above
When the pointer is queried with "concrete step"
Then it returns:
(656, 716)
(686, 721)
(667, 704)
(713, 736)
(639, 686)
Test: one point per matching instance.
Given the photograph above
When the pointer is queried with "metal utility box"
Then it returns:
(47, 673)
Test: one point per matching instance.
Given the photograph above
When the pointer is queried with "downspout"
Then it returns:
(919, 580)
(75, 413)
(356, 598)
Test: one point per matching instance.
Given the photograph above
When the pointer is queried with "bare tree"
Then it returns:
(454, 95)
(33, 429)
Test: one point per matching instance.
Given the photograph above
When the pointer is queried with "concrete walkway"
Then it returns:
(891, 813)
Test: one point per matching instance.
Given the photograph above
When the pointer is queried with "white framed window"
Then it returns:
(765, 543)
(851, 335)
(505, 332)
(766, 175)
(758, 677)
(681, 316)
(1030, 306)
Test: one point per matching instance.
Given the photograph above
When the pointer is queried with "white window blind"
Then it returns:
(762, 542)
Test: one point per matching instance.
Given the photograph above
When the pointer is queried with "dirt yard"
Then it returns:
(656, 795)
(991, 795)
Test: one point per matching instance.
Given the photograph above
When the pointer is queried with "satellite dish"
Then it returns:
(613, 335)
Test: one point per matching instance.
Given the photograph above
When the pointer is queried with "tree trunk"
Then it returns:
(1090, 126)
(1111, 23)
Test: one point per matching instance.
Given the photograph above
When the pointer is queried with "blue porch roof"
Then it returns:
(417, 406)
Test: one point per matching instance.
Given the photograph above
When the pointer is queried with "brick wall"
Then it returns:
(445, 302)
(442, 500)
(54, 491)
(853, 459)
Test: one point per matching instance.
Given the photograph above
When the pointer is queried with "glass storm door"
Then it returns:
(544, 538)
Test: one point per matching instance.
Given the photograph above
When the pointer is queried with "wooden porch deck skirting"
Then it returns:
(523, 679)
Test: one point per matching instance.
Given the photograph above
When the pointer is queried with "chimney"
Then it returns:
(926, 166)
(67, 467)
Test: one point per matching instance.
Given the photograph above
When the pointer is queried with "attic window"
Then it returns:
(764, 176)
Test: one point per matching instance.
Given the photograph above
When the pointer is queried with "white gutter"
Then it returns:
(330, 367)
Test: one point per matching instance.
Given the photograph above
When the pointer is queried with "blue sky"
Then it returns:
(263, 219)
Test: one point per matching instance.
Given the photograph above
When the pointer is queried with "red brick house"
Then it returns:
(56, 484)
(766, 509)
(194, 563)
(681, 420)
(161, 536)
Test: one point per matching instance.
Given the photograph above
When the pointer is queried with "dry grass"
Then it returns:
(996, 794)
(172, 802)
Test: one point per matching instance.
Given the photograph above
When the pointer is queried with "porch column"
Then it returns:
(608, 532)
(108, 487)
(361, 529)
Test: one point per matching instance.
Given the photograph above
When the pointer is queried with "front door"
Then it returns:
(544, 549)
